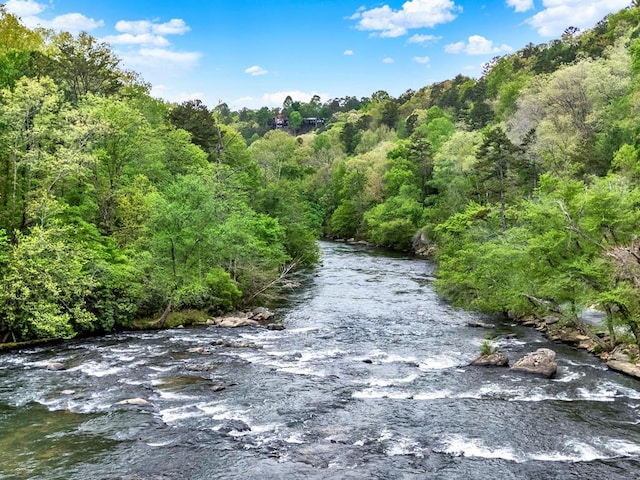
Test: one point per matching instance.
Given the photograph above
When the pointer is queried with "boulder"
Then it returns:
(541, 362)
(261, 314)
(234, 425)
(627, 368)
(217, 388)
(493, 360)
(242, 345)
(140, 402)
(55, 366)
(476, 324)
(235, 322)
(275, 326)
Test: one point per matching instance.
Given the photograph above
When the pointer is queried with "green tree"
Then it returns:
(295, 121)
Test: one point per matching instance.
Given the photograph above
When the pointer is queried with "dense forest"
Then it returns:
(523, 184)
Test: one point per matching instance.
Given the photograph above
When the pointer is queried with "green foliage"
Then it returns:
(295, 120)
(487, 348)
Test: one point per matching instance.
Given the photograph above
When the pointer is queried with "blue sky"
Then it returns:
(256, 52)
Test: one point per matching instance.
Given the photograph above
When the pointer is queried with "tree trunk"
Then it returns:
(163, 318)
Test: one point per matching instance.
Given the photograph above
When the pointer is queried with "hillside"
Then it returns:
(115, 205)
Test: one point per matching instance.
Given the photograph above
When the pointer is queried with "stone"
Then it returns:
(627, 368)
(541, 362)
(261, 314)
(234, 425)
(235, 322)
(494, 360)
(55, 366)
(242, 345)
(217, 388)
(68, 392)
(480, 325)
(275, 326)
(140, 402)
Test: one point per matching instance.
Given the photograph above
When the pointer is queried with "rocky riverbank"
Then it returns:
(623, 358)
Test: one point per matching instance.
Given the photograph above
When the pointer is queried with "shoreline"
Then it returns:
(619, 359)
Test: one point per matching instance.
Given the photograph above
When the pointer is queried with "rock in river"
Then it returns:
(541, 362)
(494, 360)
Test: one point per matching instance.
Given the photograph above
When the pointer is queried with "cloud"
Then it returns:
(175, 26)
(423, 60)
(477, 45)
(163, 58)
(178, 96)
(423, 39)
(28, 11)
(69, 22)
(24, 8)
(348, 53)
(520, 5)
(387, 60)
(141, 39)
(387, 22)
(256, 71)
(557, 15)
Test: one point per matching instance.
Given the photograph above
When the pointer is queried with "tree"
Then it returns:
(85, 65)
(295, 121)
(495, 160)
(195, 117)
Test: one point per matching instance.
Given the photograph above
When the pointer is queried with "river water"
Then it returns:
(368, 381)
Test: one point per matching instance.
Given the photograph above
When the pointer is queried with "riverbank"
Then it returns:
(623, 358)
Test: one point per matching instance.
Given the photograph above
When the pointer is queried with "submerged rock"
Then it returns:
(275, 326)
(541, 362)
(234, 425)
(492, 360)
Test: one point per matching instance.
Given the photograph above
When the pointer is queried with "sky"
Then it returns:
(253, 53)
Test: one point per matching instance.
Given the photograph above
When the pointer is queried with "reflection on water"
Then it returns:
(369, 380)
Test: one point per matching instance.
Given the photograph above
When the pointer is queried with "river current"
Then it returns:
(369, 380)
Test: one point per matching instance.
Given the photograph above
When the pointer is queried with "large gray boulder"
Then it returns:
(541, 362)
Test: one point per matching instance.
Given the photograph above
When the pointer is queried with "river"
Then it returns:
(368, 381)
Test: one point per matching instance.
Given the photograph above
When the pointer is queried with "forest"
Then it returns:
(523, 185)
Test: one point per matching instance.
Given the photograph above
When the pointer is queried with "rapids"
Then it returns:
(368, 381)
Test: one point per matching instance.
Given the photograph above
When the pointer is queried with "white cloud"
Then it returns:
(24, 8)
(256, 71)
(423, 60)
(520, 5)
(477, 45)
(457, 47)
(387, 60)
(557, 15)
(28, 11)
(139, 39)
(69, 22)
(162, 58)
(423, 39)
(348, 53)
(277, 98)
(175, 26)
(173, 95)
(387, 22)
